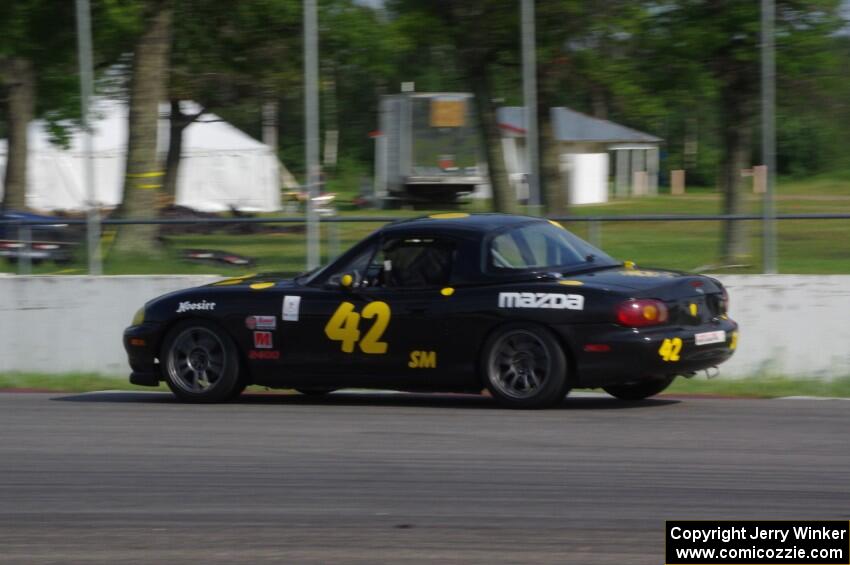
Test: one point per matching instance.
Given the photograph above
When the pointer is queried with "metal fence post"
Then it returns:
(334, 241)
(25, 258)
(768, 131)
(594, 233)
(311, 130)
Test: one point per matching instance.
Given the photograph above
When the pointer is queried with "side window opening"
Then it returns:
(357, 267)
(413, 263)
(540, 245)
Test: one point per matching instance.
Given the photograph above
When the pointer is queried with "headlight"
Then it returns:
(139, 317)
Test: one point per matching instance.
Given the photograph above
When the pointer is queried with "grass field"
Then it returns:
(755, 387)
(807, 247)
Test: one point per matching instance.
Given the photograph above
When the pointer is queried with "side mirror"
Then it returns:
(345, 281)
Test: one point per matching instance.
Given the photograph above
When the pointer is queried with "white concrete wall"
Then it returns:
(791, 325)
(60, 324)
(794, 325)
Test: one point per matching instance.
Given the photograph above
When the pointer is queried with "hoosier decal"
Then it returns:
(191, 306)
(554, 301)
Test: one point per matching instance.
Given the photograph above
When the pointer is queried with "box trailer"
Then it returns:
(427, 149)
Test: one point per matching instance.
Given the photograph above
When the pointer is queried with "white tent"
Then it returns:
(222, 167)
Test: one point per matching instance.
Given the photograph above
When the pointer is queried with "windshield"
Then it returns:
(543, 246)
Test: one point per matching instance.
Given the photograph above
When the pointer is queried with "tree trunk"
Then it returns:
(597, 100)
(552, 182)
(20, 84)
(737, 115)
(553, 185)
(144, 175)
(175, 150)
(504, 200)
(177, 124)
(736, 156)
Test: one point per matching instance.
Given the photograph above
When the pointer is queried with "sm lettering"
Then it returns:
(423, 360)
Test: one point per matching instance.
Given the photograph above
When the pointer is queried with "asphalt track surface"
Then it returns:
(139, 478)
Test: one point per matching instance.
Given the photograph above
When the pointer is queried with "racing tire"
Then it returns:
(640, 389)
(200, 363)
(316, 391)
(524, 366)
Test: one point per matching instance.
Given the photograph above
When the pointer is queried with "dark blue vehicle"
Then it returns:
(52, 241)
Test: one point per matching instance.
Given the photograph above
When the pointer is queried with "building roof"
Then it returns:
(572, 126)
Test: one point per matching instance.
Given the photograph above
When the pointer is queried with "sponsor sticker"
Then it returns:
(263, 340)
(192, 306)
(261, 322)
(291, 308)
(707, 338)
(554, 301)
(263, 355)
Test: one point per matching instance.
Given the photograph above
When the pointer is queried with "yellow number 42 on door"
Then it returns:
(344, 326)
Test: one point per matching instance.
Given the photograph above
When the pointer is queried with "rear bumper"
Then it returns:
(635, 354)
(142, 345)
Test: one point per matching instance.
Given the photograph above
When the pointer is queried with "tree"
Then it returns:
(178, 121)
(479, 33)
(226, 56)
(716, 43)
(35, 47)
(19, 80)
(144, 175)
(588, 59)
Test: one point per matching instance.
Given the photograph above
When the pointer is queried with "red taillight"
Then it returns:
(724, 302)
(642, 312)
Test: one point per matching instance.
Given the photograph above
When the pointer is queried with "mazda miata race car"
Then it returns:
(450, 302)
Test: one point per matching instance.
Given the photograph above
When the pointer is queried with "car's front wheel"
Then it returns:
(640, 389)
(200, 363)
(525, 367)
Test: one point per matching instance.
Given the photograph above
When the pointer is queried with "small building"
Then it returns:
(588, 146)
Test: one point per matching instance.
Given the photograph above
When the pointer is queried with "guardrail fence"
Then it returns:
(810, 243)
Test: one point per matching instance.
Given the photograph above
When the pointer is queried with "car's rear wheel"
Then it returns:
(525, 367)
(640, 389)
(201, 363)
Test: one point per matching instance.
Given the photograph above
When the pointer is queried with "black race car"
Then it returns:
(449, 302)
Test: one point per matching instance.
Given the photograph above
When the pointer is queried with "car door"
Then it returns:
(307, 351)
(387, 323)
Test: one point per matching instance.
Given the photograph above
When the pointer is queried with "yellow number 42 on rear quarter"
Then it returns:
(670, 349)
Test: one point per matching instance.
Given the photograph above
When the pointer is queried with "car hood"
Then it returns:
(279, 280)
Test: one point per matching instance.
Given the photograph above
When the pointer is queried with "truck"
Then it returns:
(427, 148)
